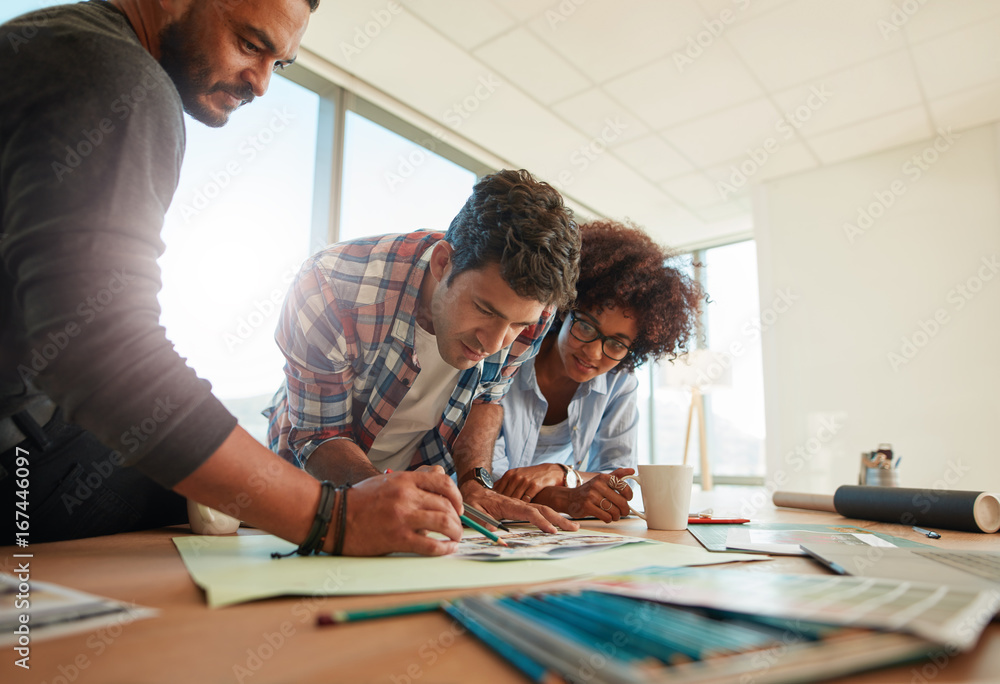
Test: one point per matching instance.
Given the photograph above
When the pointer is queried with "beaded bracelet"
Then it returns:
(324, 511)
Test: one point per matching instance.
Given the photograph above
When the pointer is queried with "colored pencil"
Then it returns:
(532, 669)
(339, 616)
(482, 530)
(483, 518)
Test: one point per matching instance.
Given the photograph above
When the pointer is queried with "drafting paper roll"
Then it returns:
(965, 511)
(812, 502)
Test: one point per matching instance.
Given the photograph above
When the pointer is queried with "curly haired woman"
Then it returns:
(570, 419)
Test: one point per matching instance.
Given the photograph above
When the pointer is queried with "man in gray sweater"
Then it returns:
(99, 416)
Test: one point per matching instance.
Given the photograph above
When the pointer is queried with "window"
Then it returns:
(236, 233)
(735, 412)
(15, 8)
(394, 185)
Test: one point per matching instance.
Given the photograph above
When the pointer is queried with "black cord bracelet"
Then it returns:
(320, 523)
(338, 545)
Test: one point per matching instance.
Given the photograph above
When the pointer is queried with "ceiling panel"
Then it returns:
(805, 38)
(593, 34)
(593, 111)
(930, 19)
(744, 129)
(641, 108)
(884, 132)
(517, 55)
(468, 24)
(959, 60)
(653, 158)
(860, 92)
(973, 107)
(666, 92)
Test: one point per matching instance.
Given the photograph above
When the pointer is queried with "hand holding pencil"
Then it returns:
(393, 512)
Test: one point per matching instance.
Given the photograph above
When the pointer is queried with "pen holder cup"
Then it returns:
(881, 477)
(666, 495)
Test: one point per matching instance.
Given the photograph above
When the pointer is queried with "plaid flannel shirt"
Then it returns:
(347, 333)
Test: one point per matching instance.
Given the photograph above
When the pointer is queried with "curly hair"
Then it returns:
(520, 223)
(621, 267)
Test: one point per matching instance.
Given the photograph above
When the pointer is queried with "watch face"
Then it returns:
(484, 477)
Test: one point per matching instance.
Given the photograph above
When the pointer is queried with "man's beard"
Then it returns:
(189, 68)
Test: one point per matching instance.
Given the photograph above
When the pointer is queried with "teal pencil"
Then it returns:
(535, 671)
(469, 522)
(339, 616)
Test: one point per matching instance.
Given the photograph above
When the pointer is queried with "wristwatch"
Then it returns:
(483, 477)
(571, 478)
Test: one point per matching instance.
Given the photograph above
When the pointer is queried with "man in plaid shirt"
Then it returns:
(399, 347)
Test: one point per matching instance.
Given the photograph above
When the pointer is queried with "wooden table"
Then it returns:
(277, 640)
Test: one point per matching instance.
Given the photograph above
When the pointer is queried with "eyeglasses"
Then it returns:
(585, 331)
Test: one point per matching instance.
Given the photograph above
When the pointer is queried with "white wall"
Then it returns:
(838, 377)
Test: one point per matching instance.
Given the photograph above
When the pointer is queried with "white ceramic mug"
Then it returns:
(205, 520)
(666, 495)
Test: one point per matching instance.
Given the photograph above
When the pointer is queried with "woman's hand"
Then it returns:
(524, 483)
(594, 498)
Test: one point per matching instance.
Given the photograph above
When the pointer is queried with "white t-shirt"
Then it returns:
(420, 409)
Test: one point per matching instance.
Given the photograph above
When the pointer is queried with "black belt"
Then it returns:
(27, 422)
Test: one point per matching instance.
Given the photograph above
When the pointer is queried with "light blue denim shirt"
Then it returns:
(603, 422)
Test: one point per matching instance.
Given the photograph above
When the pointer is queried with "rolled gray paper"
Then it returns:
(812, 502)
(959, 510)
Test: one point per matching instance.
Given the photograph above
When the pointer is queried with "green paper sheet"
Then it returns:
(236, 569)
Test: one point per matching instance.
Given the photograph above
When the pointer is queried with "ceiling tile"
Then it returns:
(968, 108)
(741, 9)
(665, 93)
(803, 39)
(592, 110)
(790, 157)
(522, 10)
(739, 209)
(872, 136)
(532, 65)
(653, 158)
(929, 19)
(864, 91)
(695, 191)
(750, 130)
(959, 60)
(467, 23)
(605, 39)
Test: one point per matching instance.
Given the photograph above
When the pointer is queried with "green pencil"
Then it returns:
(339, 616)
(469, 522)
